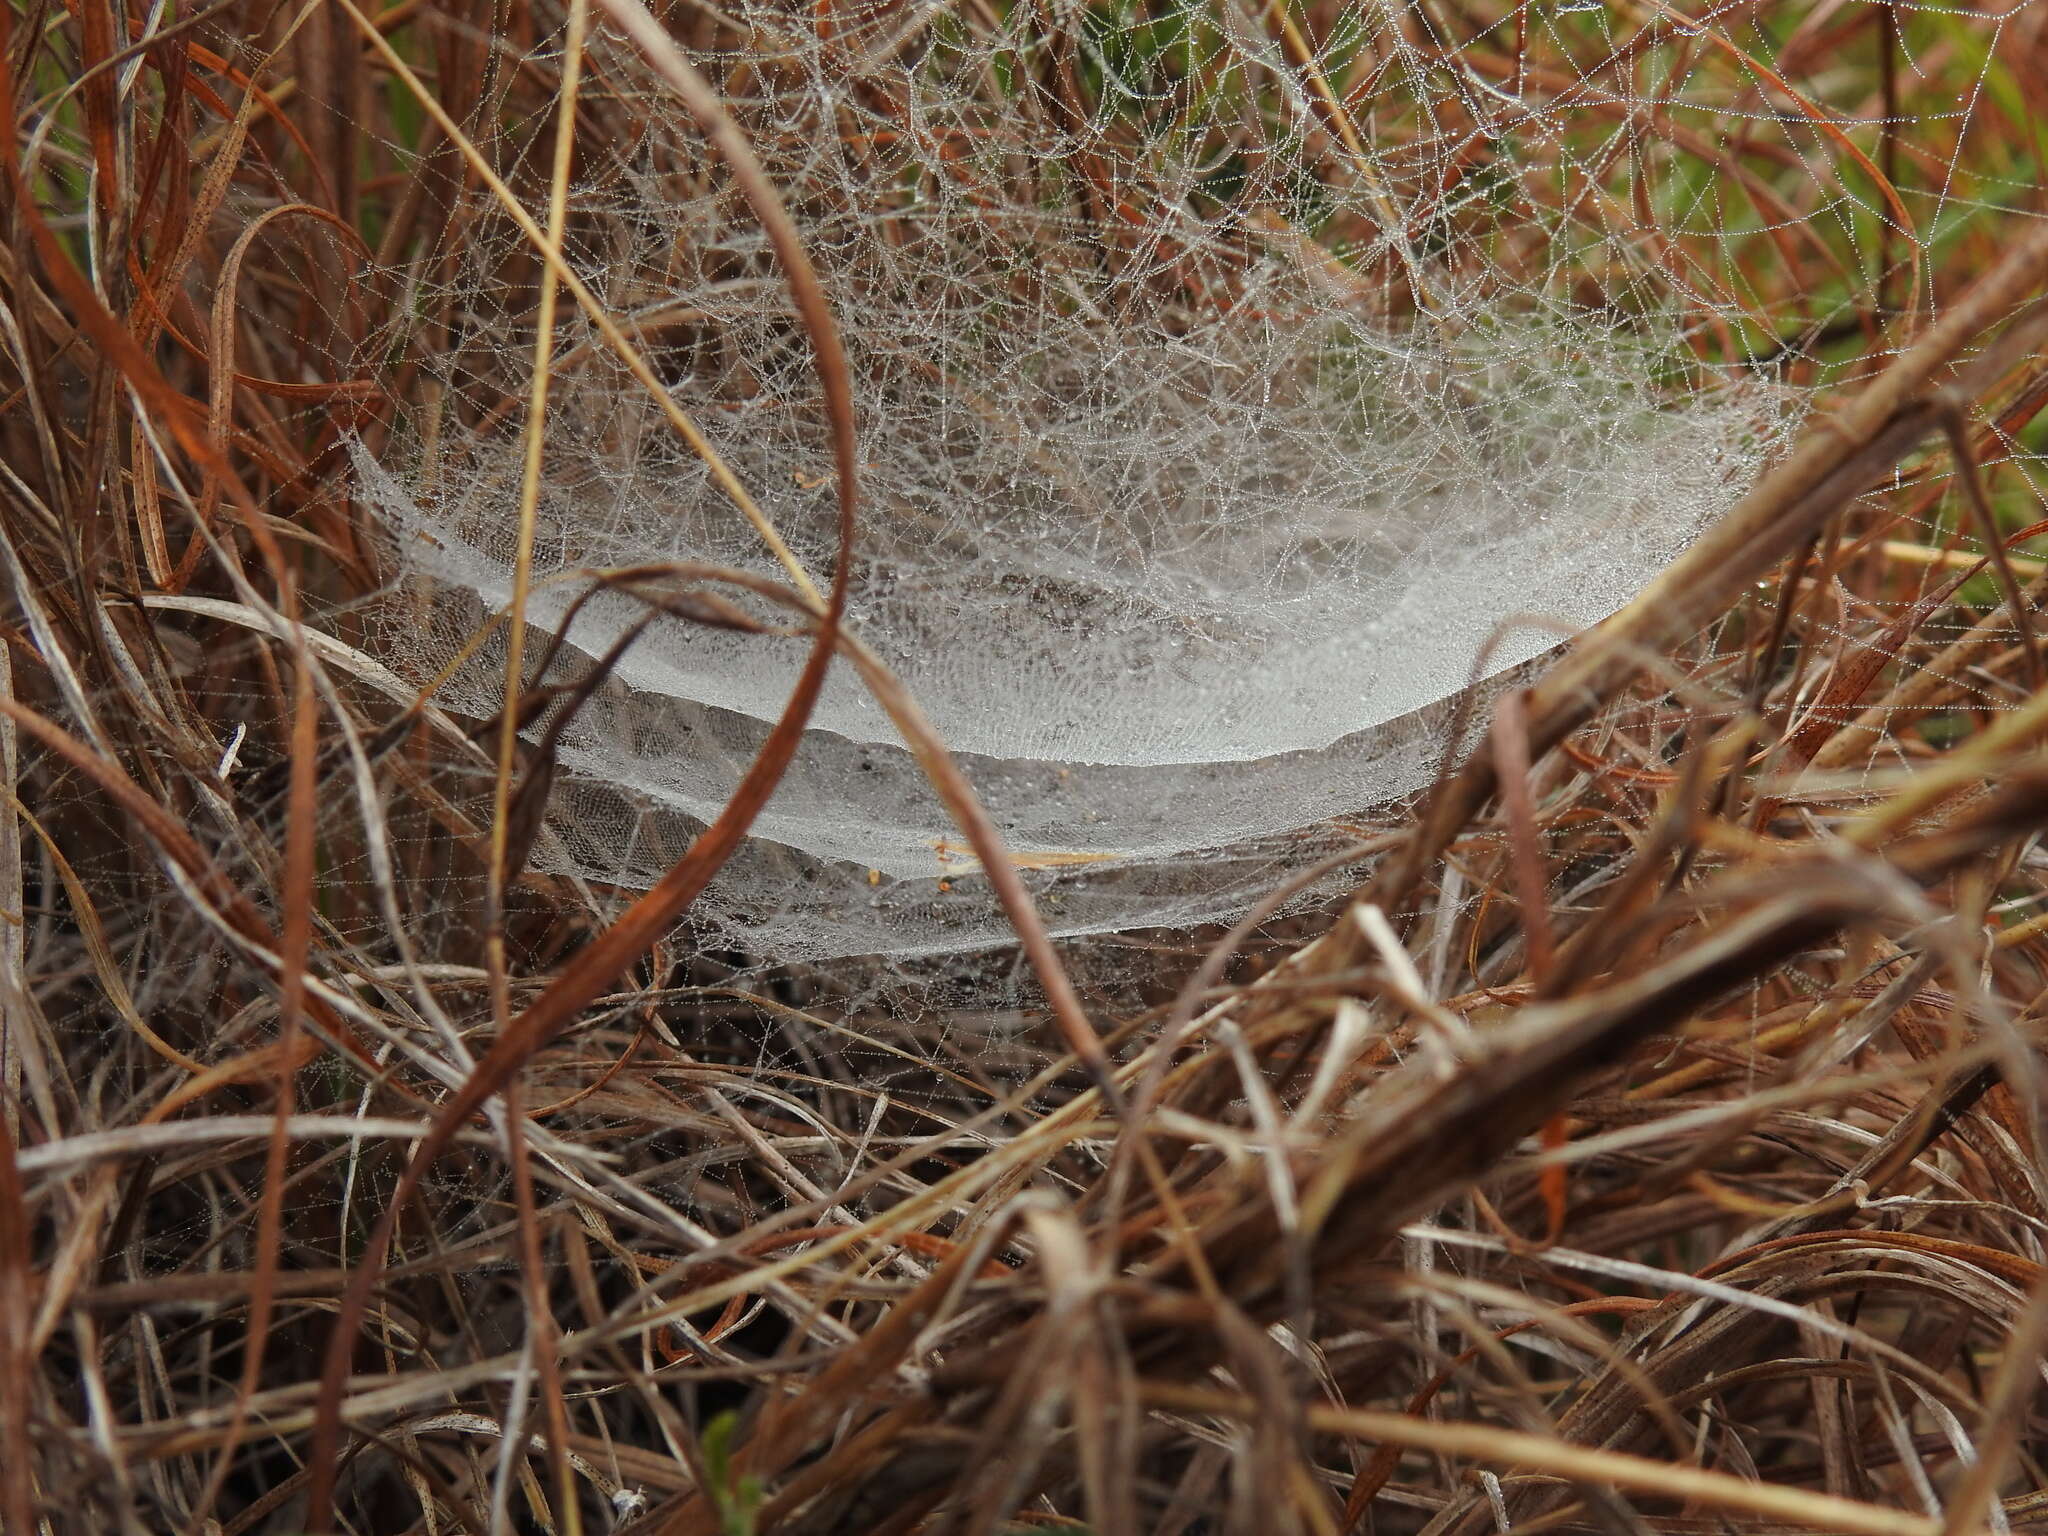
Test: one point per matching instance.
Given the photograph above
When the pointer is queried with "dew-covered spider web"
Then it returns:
(1237, 383)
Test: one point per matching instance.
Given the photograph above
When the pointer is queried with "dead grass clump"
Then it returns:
(1651, 1143)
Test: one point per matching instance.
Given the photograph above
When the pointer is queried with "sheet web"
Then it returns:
(1237, 385)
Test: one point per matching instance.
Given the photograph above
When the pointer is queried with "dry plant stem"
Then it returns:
(222, 902)
(12, 948)
(2016, 1383)
(593, 969)
(625, 941)
(1180, 1019)
(1955, 423)
(541, 1332)
(1508, 1448)
(1767, 525)
(137, 371)
(1920, 689)
(1365, 1188)
(794, 1424)
(1960, 771)
(1425, 1136)
(1511, 765)
(295, 951)
(149, 386)
(530, 480)
(17, 1502)
(1609, 1405)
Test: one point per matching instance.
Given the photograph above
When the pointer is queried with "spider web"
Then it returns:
(1237, 388)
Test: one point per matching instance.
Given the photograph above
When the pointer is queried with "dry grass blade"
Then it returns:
(1507, 1448)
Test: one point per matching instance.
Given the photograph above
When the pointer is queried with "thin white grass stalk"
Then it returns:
(164, 1137)
(1446, 1033)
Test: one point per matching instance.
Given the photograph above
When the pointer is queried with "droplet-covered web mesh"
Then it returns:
(1236, 385)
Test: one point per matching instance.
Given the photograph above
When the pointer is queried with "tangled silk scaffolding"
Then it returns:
(1232, 396)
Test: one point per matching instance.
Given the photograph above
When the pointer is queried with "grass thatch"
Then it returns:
(1653, 1144)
